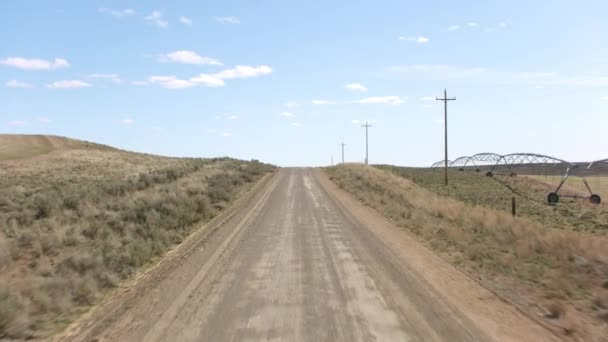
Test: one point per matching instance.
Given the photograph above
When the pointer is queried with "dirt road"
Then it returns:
(292, 264)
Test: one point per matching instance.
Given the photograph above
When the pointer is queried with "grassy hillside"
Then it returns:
(16, 146)
(530, 192)
(77, 221)
(558, 273)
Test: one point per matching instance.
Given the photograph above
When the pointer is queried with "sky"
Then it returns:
(286, 82)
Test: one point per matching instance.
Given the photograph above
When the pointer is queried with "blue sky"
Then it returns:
(286, 81)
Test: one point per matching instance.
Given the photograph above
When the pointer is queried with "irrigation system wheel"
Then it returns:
(553, 198)
(595, 199)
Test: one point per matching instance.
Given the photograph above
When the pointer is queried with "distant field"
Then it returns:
(76, 222)
(475, 189)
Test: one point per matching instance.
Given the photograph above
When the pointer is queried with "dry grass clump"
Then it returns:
(553, 263)
(76, 223)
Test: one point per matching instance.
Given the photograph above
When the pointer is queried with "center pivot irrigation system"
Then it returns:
(528, 163)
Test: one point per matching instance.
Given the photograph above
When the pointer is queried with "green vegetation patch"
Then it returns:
(475, 189)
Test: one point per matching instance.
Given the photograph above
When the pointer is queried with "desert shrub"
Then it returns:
(44, 204)
(81, 228)
(5, 251)
(10, 307)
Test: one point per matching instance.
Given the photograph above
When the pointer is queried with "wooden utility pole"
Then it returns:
(445, 100)
(366, 125)
(342, 144)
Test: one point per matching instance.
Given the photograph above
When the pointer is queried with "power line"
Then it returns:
(445, 100)
(366, 125)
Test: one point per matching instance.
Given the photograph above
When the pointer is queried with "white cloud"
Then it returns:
(323, 102)
(117, 13)
(243, 71)
(502, 25)
(128, 121)
(454, 27)
(288, 114)
(228, 20)
(111, 77)
(356, 87)
(290, 104)
(69, 84)
(156, 17)
(18, 84)
(188, 57)
(226, 134)
(232, 117)
(418, 39)
(17, 123)
(297, 124)
(427, 98)
(43, 120)
(472, 24)
(391, 100)
(210, 80)
(207, 81)
(171, 82)
(605, 98)
(35, 64)
(185, 21)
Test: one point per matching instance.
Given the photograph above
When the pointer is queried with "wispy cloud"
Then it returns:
(188, 57)
(323, 102)
(290, 104)
(453, 27)
(472, 24)
(139, 83)
(417, 39)
(128, 121)
(211, 80)
(69, 84)
(427, 98)
(243, 71)
(172, 82)
(356, 87)
(232, 117)
(226, 134)
(156, 18)
(185, 21)
(288, 114)
(17, 123)
(43, 120)
(605, 98)
(297, 124)
(391, 100)
(18, 84)
(110, 77)
(34, 63)
(119, 13)
(491, 76)
(228, 20)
